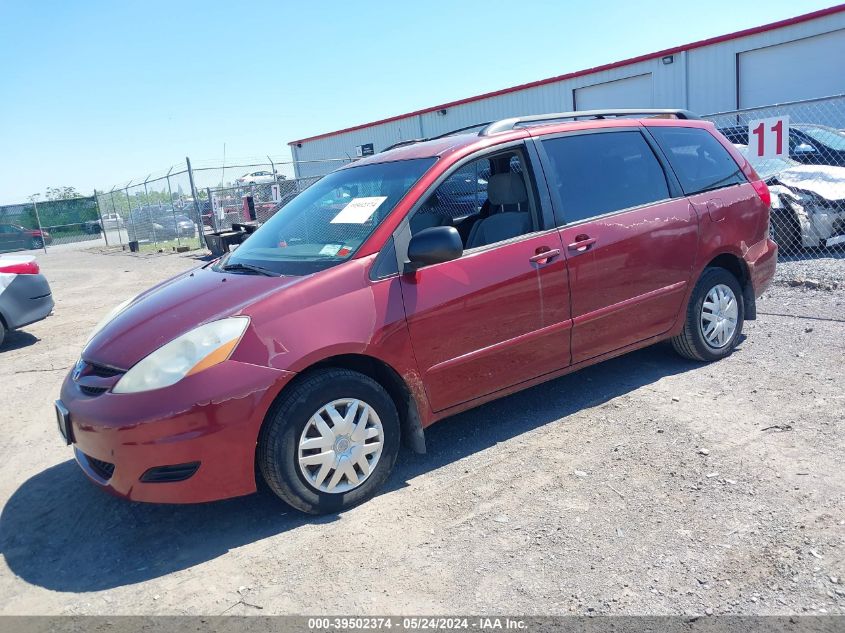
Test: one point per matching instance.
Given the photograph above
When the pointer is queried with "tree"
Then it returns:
(62, 193)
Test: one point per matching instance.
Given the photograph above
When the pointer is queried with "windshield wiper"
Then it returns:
(251, 268)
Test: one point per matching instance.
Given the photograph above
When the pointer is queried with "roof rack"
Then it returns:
(411, 141)
(461, 129)
(509, 124)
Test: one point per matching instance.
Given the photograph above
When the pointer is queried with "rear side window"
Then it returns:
(600, 173)
(701, 163)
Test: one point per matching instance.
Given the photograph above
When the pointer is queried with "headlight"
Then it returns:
(105, 320)
(199, 349)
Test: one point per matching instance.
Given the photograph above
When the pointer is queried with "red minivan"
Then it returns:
(412, 285)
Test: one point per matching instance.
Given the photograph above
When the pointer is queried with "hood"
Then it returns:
(174, 307)
(823, 180)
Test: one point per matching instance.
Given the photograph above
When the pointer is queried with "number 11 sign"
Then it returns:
(769, 138)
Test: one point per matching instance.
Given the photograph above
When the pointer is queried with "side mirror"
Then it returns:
(434, 245)
(805, 148)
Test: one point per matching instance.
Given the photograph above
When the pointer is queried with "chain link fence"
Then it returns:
(806, 180)
(175, 210)
(156, 214)
(36, 225)
(254, 202)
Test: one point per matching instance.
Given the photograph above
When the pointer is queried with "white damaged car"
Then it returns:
(808, 202)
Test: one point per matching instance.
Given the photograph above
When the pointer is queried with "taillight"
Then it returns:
(21, 268)
(762, 191)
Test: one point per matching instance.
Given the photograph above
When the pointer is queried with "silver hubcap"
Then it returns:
(719, 316)
(340, 446)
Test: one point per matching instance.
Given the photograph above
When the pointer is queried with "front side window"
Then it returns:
(325, 224)
(700, 162)
(487, 200)
(600, 173)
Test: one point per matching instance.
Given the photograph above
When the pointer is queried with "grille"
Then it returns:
(98, 371)
(104, 372)
(92, 391)
(102, 469)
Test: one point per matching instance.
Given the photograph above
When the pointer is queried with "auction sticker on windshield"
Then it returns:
(359, 210)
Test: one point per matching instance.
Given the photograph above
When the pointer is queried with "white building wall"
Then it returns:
(555, 97)
(343, 145)
(712, 70)
(703, 80)
(762, 70)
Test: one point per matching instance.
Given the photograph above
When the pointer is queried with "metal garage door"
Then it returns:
(631, 92)
(803, 69)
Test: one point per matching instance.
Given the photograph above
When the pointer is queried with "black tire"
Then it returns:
(786, 231)
(2, 332)
(278, 442)
(37, 243)
(691, 343)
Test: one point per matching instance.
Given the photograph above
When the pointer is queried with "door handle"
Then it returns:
(581, 243)
(544, 254)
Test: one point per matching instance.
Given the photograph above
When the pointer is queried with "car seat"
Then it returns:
(502, 190)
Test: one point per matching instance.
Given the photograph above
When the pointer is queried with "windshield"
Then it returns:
(829, 138)
(328, 222)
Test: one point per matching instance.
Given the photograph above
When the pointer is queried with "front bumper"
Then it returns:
(820, 223)
(212, 418)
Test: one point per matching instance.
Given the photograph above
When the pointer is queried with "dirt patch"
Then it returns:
(644, 485)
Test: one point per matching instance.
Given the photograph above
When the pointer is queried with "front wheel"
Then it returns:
(714, 317)
(330, 443)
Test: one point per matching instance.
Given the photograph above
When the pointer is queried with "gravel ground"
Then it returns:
(644, 485)
(826, 273)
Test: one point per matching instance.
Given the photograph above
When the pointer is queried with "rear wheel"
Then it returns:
(2, 332)
(37, 242)
(330, 443)
(714, 318)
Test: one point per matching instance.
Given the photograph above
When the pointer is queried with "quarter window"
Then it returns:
(700, 161)
(600, 173)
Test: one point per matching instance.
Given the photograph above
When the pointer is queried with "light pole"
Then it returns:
(34, 199)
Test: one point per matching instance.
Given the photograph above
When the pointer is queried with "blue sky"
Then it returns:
(95, 93)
